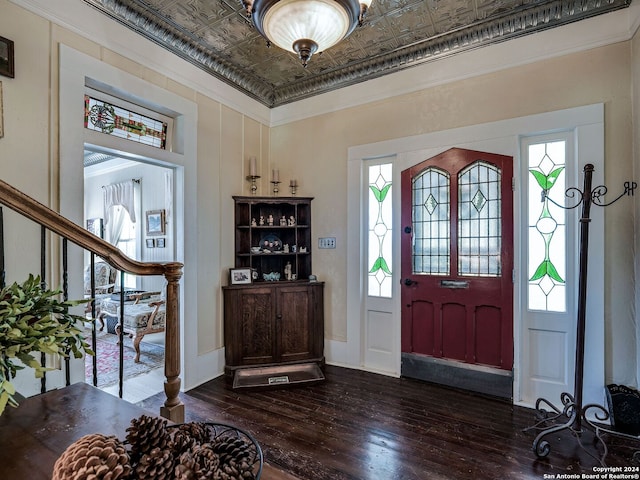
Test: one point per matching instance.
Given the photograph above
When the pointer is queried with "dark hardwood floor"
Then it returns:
(359, 425)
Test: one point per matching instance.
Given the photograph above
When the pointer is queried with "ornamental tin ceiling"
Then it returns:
(216, 36)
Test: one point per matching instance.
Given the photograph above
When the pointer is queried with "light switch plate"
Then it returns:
(327, 242)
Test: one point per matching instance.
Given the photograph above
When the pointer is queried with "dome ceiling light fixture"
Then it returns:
(306, 26)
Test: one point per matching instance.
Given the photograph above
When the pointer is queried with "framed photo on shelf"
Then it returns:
(240, 276)
(151, 243)
(155, 222)
(6, 58)
(160, 242)
(95, 226)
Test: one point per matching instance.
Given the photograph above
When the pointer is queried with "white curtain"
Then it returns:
(168, 189)
(114, 227)
(119, 194)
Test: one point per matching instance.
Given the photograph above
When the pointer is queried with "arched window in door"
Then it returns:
(479, 221)
(431, 232)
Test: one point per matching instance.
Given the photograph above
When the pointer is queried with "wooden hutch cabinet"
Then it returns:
(274, 327)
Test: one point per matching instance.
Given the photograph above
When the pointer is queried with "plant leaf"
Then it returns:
(33, 319)
(553, 176)
(540, 272)
(553, 273)
(540, 177)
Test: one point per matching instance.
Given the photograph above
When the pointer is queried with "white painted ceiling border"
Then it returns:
(84, 20)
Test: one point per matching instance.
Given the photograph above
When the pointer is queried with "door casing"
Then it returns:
(503, 137)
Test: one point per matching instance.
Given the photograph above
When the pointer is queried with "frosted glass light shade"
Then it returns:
(325, 22)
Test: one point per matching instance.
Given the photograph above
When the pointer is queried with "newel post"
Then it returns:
(173, 408)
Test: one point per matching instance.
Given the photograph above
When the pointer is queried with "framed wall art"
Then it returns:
(151, 243)
(240, 276)
(95, 226)
(155, 222)
(160, 243)
(7, 65)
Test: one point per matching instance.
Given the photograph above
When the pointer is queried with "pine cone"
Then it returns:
(145, 434)
(156, 465)
(188, 435)
(188, 468)
(235, 457)
(206, 459)
(232, 449)
(196, 430)
(201, 463)
(182, 442)
(94, 456)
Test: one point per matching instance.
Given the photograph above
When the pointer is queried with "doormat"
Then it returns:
(278, 375)
(108, 359)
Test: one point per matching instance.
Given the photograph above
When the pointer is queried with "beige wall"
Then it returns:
(315, 151)
(25, 146)
(29, 161)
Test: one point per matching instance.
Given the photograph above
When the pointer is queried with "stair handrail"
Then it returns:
(43, 215)
(18, 201)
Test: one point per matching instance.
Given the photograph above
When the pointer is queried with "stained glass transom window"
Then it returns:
(380, 221)
(547, 227)
(110, 119)
(430, 211)
(479, 220)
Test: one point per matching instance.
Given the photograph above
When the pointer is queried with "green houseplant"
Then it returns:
(33, 319)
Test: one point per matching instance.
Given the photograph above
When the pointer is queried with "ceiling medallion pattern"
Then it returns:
(216, 36)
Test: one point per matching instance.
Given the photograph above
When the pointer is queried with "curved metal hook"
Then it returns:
(600, 191)
(597, 195)
(570, 193)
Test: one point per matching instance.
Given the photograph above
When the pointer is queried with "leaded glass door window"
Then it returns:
(479, 221)
(431, 240)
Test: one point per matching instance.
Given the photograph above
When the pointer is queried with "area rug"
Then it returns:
(108, 359)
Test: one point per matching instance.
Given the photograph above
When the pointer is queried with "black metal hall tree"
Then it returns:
(573, 412)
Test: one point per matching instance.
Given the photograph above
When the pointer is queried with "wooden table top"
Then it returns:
(35, 434)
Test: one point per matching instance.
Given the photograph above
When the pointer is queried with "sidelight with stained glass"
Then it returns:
(380, 231)
(547, 226)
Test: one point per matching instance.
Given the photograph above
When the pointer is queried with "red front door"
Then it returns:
(457, 258)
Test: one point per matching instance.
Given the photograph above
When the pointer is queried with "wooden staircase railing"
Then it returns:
(173, 408)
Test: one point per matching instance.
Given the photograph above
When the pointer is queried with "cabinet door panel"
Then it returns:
(257, 315)
(294, 314)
